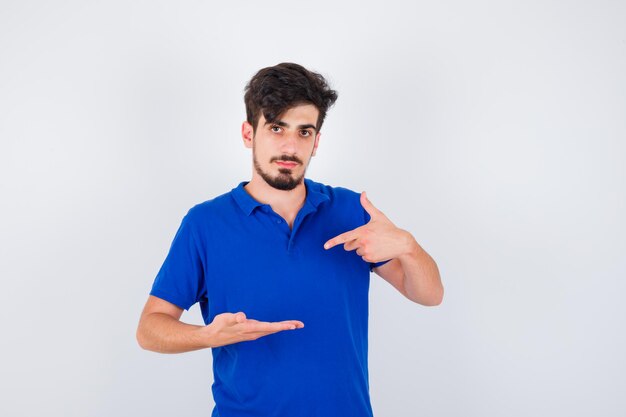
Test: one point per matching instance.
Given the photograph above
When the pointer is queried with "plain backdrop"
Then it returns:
(492, 130)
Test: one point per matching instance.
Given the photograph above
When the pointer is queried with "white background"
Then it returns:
(493, 131)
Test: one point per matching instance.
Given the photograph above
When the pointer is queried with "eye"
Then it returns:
(275, 128)
(305, 133)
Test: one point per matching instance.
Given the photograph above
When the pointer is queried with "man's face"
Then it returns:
(282, 150)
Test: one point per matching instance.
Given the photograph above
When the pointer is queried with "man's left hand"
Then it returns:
(376, 241)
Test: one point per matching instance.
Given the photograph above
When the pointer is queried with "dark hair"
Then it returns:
(274, 90)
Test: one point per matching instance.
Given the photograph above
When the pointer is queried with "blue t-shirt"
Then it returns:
(233, 254)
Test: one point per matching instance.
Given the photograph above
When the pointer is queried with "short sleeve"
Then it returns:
(373, 265)
(181, 277)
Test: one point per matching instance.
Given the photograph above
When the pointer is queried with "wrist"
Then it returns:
(411, 247)
(203, 336)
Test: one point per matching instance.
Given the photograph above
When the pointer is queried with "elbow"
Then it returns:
(437, 299)
(142, 341)
(436, 295)
(433, 299)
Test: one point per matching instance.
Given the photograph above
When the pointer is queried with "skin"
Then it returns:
(294, 138)
(411, 270)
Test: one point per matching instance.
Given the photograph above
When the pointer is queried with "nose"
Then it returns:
(289, 143)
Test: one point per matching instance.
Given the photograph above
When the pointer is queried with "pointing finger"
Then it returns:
(342, 238)
(352, 245)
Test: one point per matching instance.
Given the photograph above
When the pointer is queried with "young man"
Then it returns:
(280, 266)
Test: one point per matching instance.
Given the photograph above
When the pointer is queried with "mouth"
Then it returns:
(285, 164)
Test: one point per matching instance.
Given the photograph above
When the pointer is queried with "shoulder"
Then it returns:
(341, 198)
(335, 193)
(218, 206)
(343, 206)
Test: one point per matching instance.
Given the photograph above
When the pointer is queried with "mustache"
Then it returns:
(287, 158)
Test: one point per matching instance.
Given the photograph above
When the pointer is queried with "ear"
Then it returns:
(247, 134)
(317, 142)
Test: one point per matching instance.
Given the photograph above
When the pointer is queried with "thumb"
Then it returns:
(236, 318)
(368, 206)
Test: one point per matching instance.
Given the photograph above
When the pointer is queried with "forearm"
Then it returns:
(421, 281)
(163, 333)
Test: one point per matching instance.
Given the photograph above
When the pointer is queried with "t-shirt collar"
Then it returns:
(247, 203)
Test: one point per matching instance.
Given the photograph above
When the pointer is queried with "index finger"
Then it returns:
(342, 238)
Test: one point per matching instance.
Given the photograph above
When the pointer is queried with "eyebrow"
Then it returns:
(283, 124)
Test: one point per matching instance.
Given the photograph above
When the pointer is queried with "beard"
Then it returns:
(285, 180)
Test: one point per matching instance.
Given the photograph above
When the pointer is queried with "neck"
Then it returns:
(281, 201)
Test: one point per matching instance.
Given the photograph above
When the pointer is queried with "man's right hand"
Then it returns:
(229, 328)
